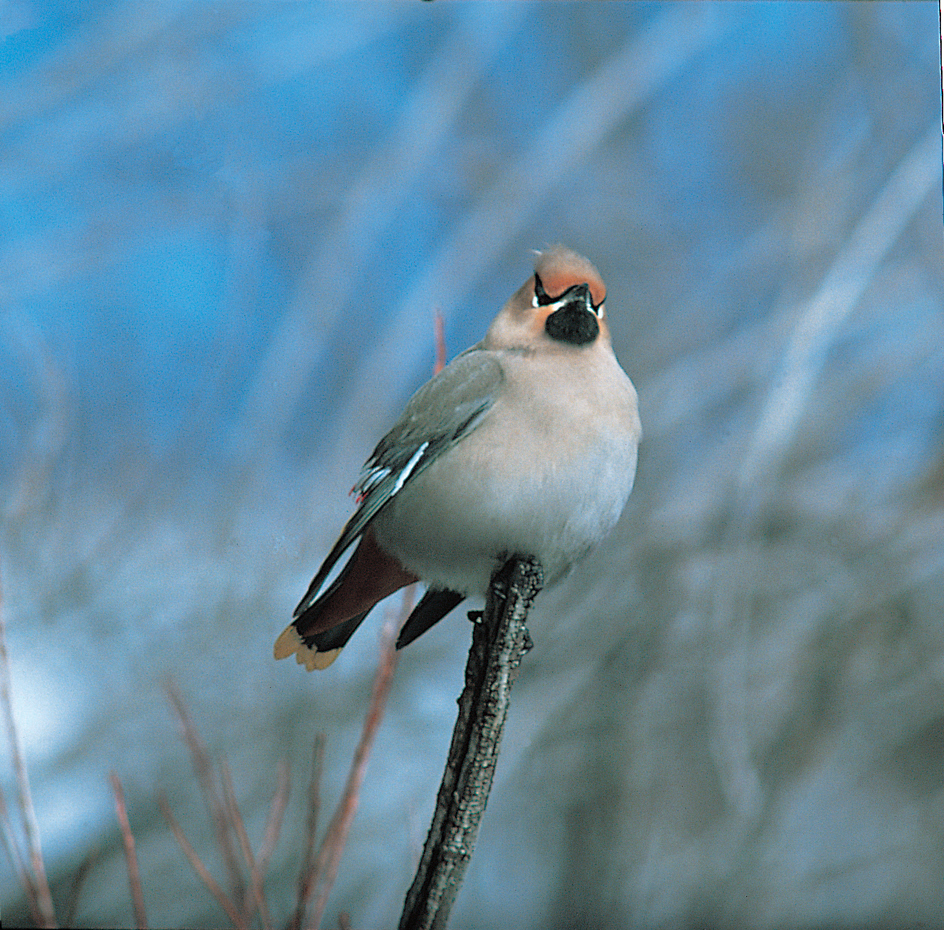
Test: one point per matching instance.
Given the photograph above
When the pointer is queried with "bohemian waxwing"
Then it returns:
(524, 445)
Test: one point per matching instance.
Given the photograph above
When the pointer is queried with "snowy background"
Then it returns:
(224, 231)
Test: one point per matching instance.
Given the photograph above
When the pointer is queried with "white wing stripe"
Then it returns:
(408, 468)
(375, 477)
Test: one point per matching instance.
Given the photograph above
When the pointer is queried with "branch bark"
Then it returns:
(499, 640)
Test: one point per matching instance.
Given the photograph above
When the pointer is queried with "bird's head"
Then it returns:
(560, 305)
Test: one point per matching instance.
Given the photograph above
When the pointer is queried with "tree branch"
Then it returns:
(499, 640)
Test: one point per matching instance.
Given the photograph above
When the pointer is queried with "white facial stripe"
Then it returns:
(597, 311)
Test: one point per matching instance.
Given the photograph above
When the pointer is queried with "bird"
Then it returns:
(524, 445)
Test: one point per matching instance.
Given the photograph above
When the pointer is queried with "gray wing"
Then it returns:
(440, 414)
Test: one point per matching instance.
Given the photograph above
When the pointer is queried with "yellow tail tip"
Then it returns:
(290, 643)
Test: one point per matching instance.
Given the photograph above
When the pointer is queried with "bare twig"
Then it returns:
(203, 768)
(307, 874)
(276, 814)
(220, 798)
(499, 641)
(41, 898)
(134, 874)
(254, 891)
(222, 898)
(17, 860)
(319, 871)
(90, 859)
(439, 329)
(332, 846)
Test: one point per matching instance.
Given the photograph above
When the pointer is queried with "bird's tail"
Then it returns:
(316, 650)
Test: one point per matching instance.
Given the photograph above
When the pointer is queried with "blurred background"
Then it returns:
(225, 229)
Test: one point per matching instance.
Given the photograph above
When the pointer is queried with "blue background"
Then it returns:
(224, 231)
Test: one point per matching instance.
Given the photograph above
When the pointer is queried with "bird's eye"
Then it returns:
(541, 296)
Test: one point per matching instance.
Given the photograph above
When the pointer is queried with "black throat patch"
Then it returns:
(573, 323)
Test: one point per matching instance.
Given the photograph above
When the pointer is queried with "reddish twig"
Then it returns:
(220, 798)
(131, 857)
(36, 886)
(17, 860)
(81, 874)
(222, 899)
(307, 874)
(329, 855)
(203, 769)
(439, 329)
(254, 891)
(273, 825)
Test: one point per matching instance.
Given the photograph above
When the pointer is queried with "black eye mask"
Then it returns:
(544, 299)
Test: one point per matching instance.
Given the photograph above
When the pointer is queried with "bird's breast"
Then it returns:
(546, 474)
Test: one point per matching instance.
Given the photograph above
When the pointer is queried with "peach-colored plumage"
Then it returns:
(524, 445)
